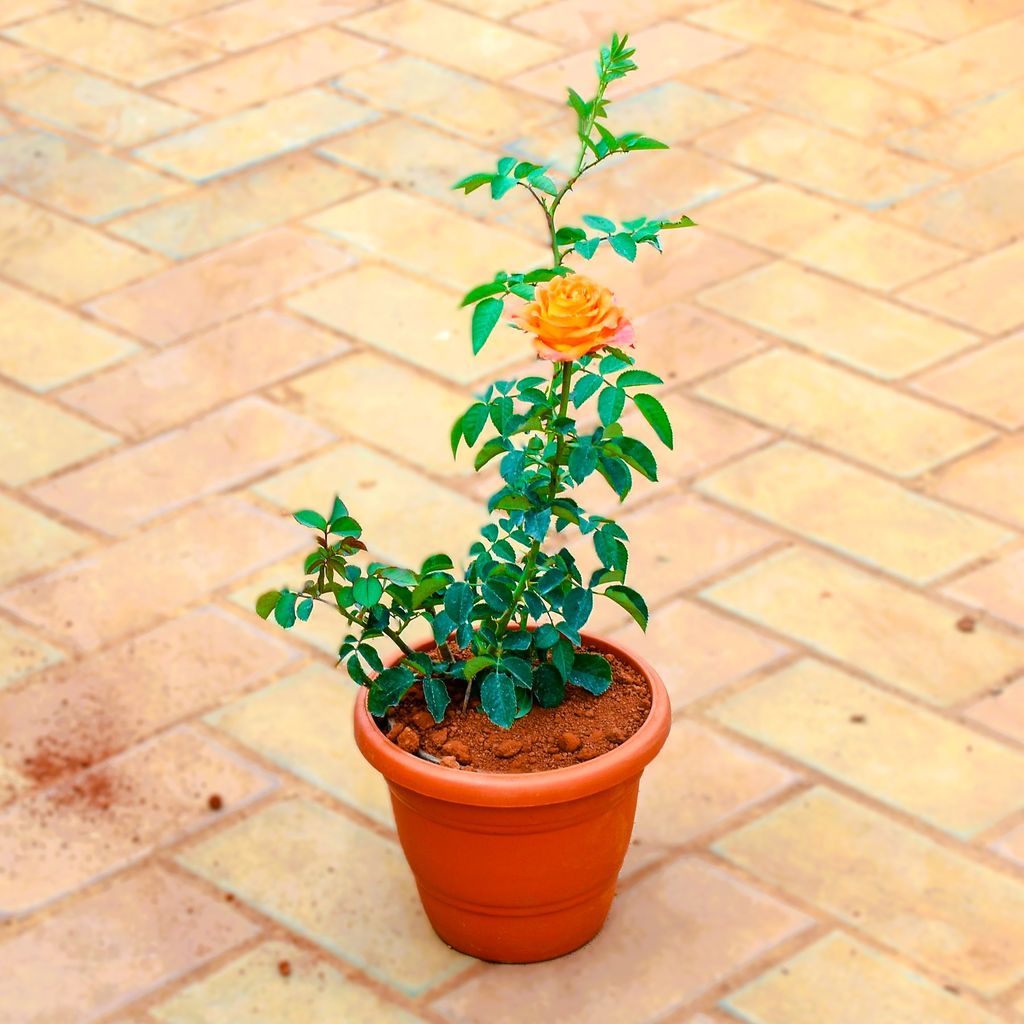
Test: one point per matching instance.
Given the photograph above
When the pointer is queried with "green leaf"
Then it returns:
(403, 577)
(639, 456)
(548, 687)
(610, 550)
(654, 412)
(617, 474)
(304, 608)
(626, 597)
(458, 602)
(516, 640)
(367, 591)
(388, 689)
(485, 316)
(436, 695)
(284, 613)
(585, 388)
(610, 404)
(683, 222)
(519, 669)
(493, 447)
(307, 517)
(624, 245)
(473, 422)
(436, 563)
(544, 183)
(481, 292)
(345, 526)
(577, 606)
(501, 186)
(267, 602)
(427, 588)
(645, 142)
(456, 435)
(338, 509)
(567, 235)
(472, 182)
(582, 461)
(498, 698)
(523, 168)
(634, 378)
(545, 636)
(476, 665)
(562, 656)
(505, 164)
(592, 672)
(599, 223)
(587, 248)
(579, 104)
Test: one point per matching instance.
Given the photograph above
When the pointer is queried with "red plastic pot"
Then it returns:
(517, 868)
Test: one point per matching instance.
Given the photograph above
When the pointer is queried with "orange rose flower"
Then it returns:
(571, 316)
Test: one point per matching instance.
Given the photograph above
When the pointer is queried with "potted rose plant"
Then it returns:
(513, 741)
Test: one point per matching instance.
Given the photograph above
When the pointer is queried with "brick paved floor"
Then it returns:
(229, 260)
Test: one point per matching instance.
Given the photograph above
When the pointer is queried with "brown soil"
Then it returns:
(581, 728)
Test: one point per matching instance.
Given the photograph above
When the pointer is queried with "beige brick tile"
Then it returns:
(847, 101)
(249, 136)
(405, 515)
(699, 780)
(369, 396)
(43, 346)
(841, 980)
(980, 480)
(78, 180)
(485, 112)
(983, 382)
(878, 522)
(980, 213)
(973, 137)
(718, 926)
(19, 10)
(425, 328)
(58, 839)
(679, 341)
(239, 26)
(715, 539)
(39, 438)
(671, 111)
(75, 714)
(808, 30)
(15, 60)
(452, 37)
(864, 331)
(982, 294)
(995, 588)
(497, 9)
(900, 636)
(100, 953)
(773, 216)
(668, 49)
(226, 210)
(93, 107)
(117, 47)
(1011, 845)
(259, 75)
(21, 653)
(942, 19)
(844, 412)
(158, 12)
(894, 751)
(405, 153)
(220, 451)
(332, 882)
(929, 902)
(692, 260)
(250, 990)
(30, 542)
(196, 295)
(99, 598)
(586, 24)
(428, 239)
(62, 259)
(974, 65)
(777, 146)
(296, 724)
(1002, 710)
(153, 393)
(697, 651)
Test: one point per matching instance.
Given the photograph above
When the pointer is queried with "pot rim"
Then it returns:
(523, 789)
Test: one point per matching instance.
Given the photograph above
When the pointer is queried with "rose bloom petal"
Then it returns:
(572, 316)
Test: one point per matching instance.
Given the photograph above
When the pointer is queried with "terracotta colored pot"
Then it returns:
(518, 867)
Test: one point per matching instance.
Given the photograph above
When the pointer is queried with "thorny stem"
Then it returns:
(356, 621)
